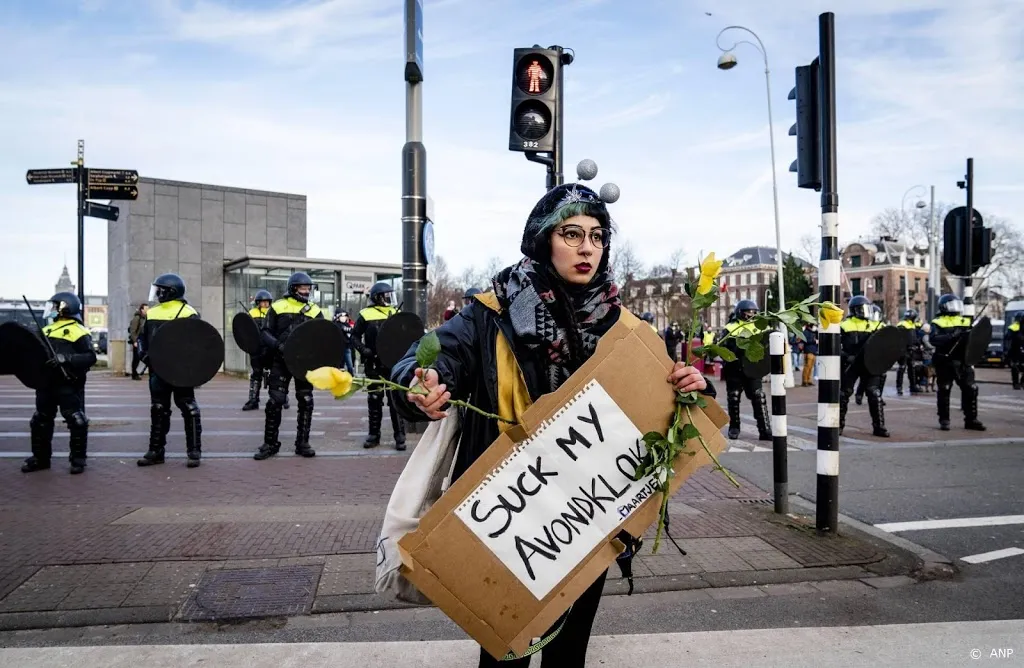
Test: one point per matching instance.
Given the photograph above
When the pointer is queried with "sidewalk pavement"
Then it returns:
(236, 538)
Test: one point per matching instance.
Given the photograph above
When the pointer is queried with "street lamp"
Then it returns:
(727, 61)
(903, 213)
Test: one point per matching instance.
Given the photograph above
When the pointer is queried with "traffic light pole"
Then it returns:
(81, 222)
(414, 169)
(553, 161)
(933, 257)
(968, 285)
(827, 498)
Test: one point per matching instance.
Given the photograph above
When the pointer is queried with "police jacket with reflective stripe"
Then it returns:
(946, 329)
(259, 315)
(71, 339)
(364, 334)
(160, 314)
(284, 316)
(855, 333)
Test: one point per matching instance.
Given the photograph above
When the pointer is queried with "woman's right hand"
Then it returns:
(436, 396)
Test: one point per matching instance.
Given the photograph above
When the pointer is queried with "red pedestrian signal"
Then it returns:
(535, 94)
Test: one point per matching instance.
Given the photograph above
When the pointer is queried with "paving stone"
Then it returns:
(713, 555)
(667, 564)
(842, 587)
(735, 592)
(336, 583)
(31, 597)
(302, 561)
(789, 589)
(166, 583)
(66, 576)
(888, 581)
(101, 595)
(340, 563)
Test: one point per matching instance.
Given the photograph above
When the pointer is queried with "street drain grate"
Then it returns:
(758, 501)
(252, 592)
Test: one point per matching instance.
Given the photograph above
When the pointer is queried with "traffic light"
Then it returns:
(954, 242)
(981, 246)
(536, 92)
(807, 128)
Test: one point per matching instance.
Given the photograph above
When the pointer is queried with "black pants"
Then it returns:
(135, 360)
(375, 404)
(736, 385)
(160, 396)
(277, 396)
(906, 365)
(856, 377)
(569, 648)
(1015, 367)
(70, 401)
(947, 373)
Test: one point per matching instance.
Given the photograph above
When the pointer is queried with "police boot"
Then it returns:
(877, 410)
(254, 395)
(78, 426)
(899, 380)
(844, 405)
(305, 423)
(733, 400)
(943, 405)
(271, 445)
(860, 396)
(193, 433)
(1015, 376)
(42, 439)
(764, 426)
(375, 404)
(970, 406)
(159, 425)
(398, 426)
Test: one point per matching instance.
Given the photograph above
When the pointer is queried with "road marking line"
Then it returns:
(992, 556)
(958, 523)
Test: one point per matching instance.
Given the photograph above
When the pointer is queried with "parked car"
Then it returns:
(995, 355)
(99, 340)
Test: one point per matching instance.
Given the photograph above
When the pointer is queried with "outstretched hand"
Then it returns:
(434, 398)
(687, 378)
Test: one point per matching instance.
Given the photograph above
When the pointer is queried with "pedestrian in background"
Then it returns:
(810, 350)
(134, 331)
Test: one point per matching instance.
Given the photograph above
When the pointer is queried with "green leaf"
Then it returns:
(428, 350)
(762, 322)
(788, 317)
(690, 432)
(810, 300)
(755, 351)
(701, 401)
(711, 350)
(673, 434)
(652, 437)
(686, 397)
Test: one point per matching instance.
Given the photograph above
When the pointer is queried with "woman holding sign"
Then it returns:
(543, 321)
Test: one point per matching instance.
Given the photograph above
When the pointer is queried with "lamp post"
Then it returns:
(727, 61)
(903, 208)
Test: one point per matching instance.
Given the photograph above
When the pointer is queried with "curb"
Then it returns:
(935, 565)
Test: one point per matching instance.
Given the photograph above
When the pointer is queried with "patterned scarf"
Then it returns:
(525, 291)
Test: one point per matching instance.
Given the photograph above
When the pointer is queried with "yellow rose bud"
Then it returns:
(829, 314)
(709, 270)
(336, 381)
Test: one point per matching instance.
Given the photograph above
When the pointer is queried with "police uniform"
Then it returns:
(169, 291)
(673, 337)
(855, 331)
(1015, 350)
(949, 329)
(258, 362)
(64, 387)
(364, 338)
(283, 317)
(738, 383)
(906, 363)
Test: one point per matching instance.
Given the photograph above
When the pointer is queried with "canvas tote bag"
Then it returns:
(427, 475)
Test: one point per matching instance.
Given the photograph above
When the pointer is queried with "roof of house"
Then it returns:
(886, 251)
(753, 256)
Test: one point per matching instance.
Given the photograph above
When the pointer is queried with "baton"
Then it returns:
(46, 339)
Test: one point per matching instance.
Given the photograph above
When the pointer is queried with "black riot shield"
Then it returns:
(313, 344)
(25, 354)
(884, 348)
(246, 333)
(977, 341)
(759, 369)
(187, 352)
(397, 335)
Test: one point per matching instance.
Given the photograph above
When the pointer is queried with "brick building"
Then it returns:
(887, 272)
(746, 274)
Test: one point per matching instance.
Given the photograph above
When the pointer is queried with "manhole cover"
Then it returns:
(256, 592)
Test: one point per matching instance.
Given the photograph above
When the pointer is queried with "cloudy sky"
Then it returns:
(307, 96)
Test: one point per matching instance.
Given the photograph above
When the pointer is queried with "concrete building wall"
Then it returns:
(191, 229)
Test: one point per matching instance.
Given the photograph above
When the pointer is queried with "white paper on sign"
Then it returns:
(561, 492)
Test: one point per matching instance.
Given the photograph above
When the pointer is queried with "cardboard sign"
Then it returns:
(506, 575)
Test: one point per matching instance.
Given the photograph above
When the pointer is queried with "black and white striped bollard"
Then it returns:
(780, 445)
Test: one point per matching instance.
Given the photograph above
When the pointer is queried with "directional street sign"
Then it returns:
(110, 191)
(48, 176)
(97, 210)
(112, 176)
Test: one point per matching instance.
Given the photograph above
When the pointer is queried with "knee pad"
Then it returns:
(277, 394)
(304, 399)
(189, 408)
(41, 419)
(76, 420)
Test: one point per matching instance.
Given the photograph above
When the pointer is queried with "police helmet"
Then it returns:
(1020, 318)
(910, 314)
(648, 316)
(876, 313)
(262, 296)
(950, 305)
(380, 293)
(297, 280)
(64, 305)
(470, 292)
(745, 309)
(167, 287)
(858, 307)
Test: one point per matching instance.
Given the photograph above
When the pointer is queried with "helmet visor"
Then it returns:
(52, 309)
(154, 293)
(954, 306)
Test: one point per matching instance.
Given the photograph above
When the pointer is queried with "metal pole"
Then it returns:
(780, 444)
(933, 257)
(968, 286)
(414, 171)
(555, 173)
(81, 222)
(827, 497)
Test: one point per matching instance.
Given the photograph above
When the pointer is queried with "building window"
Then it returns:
(855, 261)
(917, 285)
(903, 284)
(921, 261)
(855, 287)
(879, 284)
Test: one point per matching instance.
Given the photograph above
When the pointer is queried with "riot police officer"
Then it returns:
(258, 361)
(364, 338)
(648, 317)
(64, 387)
(949, 333)
(673, 337)
(906, 363)
(283, 317)
(737, 383)
(467, 297)
(1015, 349)
(168, 290)
(855, 331)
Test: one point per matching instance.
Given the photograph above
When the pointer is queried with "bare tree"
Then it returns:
(442, 289)
(889, 223)
(669, 298)
(624, 263)
(810, 249)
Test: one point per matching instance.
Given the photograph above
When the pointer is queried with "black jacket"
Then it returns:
(157, 316)
(283, 317)
(71, 339)
(364, 334)
(468, 367)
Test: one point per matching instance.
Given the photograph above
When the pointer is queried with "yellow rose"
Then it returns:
(829, 314)
(338, 382)
(709, 270)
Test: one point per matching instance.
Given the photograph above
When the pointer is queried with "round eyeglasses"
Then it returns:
(573, 235)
